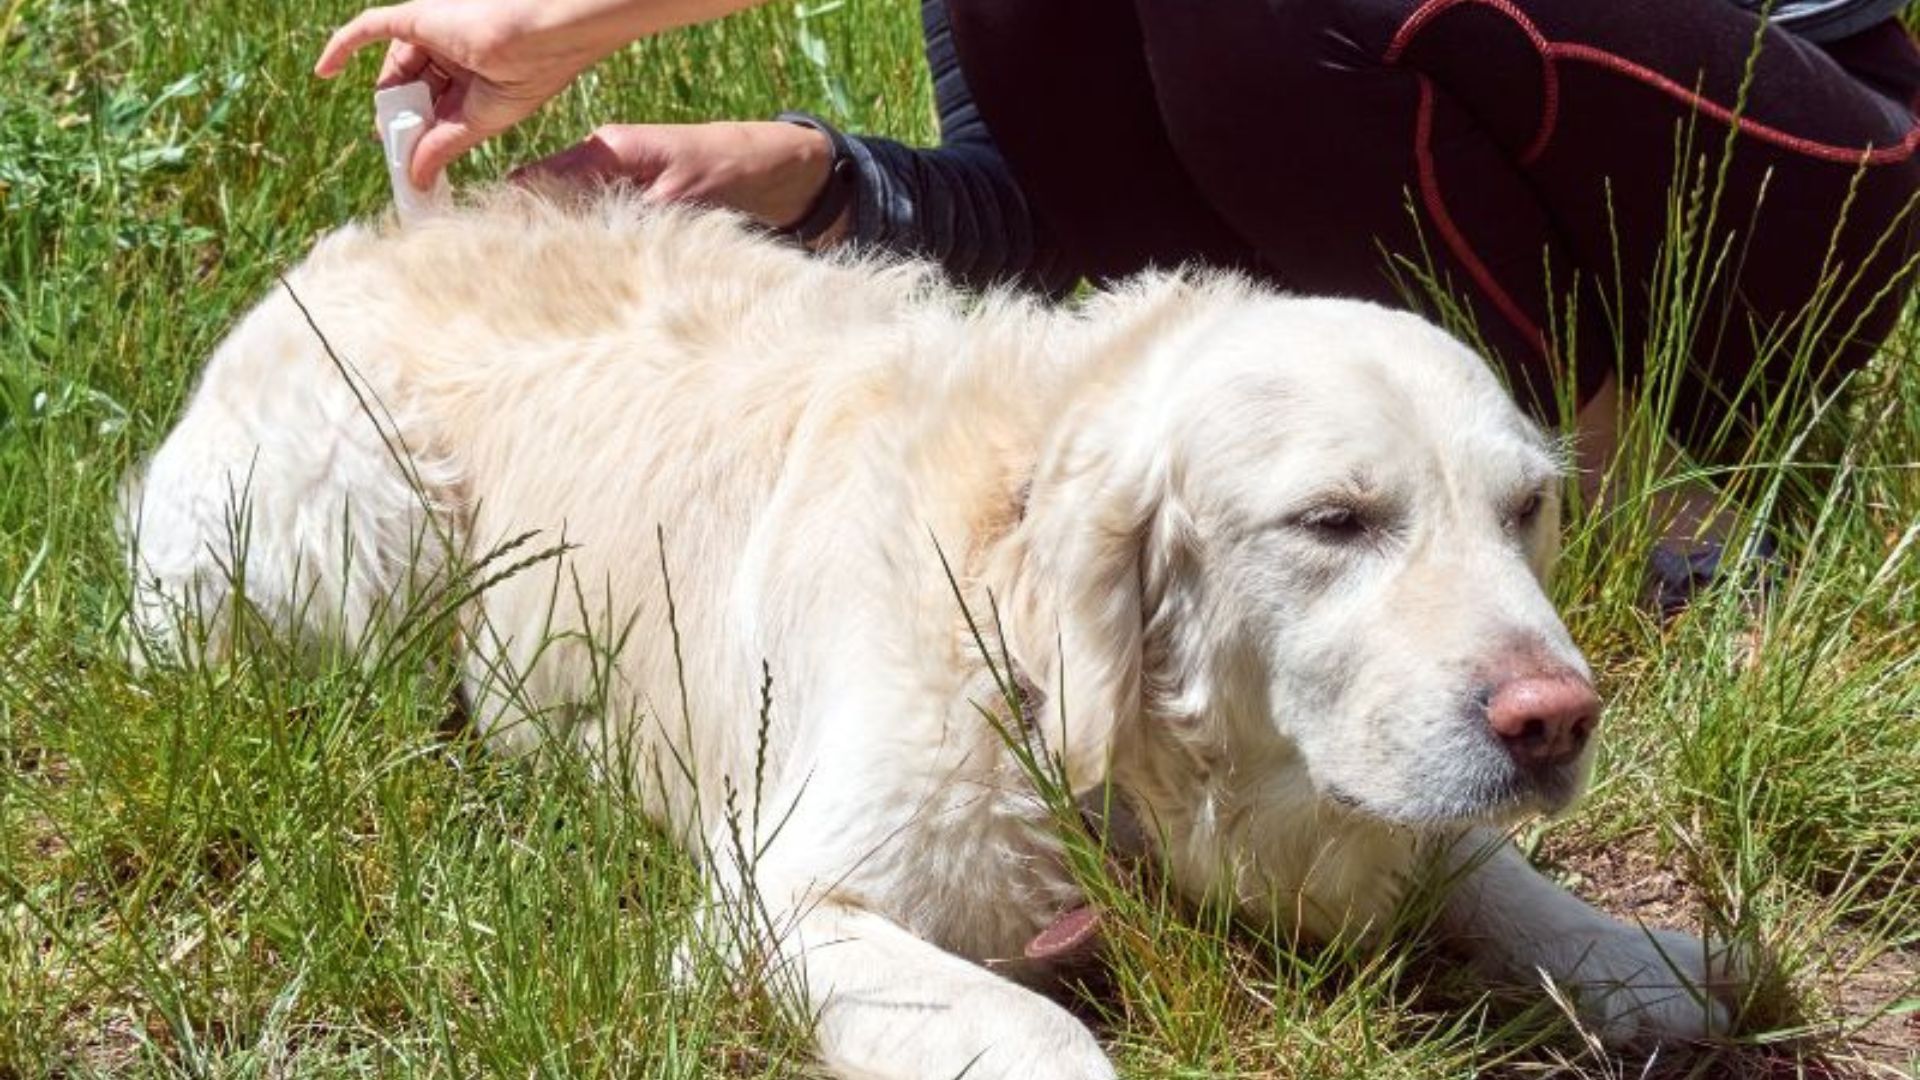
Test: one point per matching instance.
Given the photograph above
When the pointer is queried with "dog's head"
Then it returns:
(1310, 535)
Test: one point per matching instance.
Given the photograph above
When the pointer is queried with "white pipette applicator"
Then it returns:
(402, 114)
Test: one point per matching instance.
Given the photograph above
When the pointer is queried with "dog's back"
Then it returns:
(644, 389)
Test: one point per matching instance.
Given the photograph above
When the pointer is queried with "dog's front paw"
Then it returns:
(1637, 986)
(1040, 1045)
(1013, 1042)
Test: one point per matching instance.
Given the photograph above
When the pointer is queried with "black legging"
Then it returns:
(1535, 138)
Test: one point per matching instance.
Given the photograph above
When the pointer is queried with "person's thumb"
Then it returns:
(438, 148)
(590, 159)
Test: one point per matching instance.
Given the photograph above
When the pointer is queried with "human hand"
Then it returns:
(771, 171)
(491, 63)
(488, 63)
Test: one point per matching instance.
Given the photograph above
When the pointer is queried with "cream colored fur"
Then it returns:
(1139, 484)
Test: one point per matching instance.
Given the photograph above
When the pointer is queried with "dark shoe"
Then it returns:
(1679, 576)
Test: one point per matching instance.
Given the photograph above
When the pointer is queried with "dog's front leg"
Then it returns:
(887, 1004)
(1633, 984)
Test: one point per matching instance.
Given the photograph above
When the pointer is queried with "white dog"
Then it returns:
(1273, 566)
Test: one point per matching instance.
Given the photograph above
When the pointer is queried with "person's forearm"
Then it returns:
(599, 27)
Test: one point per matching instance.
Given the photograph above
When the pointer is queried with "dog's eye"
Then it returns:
(1334, 524)
(1527, 510)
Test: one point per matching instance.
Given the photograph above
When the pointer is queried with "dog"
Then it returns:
(1269, 569)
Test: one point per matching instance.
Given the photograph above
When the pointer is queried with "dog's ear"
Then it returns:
(1076, 613)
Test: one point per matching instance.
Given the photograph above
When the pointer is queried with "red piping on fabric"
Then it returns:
(1549, 74)
(1457, 243)
(1839, 155)
(1551, 52)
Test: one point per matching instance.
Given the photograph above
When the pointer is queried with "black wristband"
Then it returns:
(843, 174)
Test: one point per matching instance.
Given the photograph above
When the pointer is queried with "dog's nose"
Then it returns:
(1544, 720)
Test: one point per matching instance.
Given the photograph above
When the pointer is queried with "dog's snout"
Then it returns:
(1544, 720)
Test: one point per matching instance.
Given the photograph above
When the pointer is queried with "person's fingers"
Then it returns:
(438, 77)
(668, 186)
(590, 159)
(404, 63)
(440, 147)
(456, 130)
(371, 25)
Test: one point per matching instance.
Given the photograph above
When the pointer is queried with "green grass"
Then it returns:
(263, 869)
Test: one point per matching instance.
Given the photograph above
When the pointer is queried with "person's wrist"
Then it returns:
(824, 176)
(806, 162)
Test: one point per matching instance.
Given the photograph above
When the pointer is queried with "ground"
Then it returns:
(261, 868)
